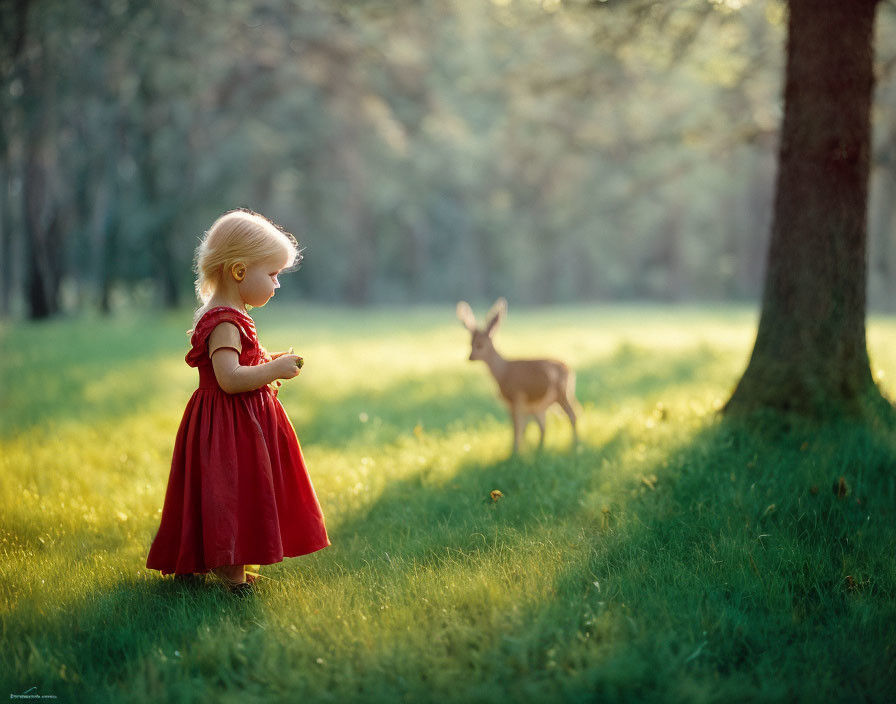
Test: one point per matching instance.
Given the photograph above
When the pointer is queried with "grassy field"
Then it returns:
(671, 557)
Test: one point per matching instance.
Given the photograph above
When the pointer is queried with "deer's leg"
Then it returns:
(519, 425)
(567, 407)
(539, 418)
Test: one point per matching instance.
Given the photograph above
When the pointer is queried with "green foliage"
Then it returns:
(672, 557)
(551, 151)
(416, 150)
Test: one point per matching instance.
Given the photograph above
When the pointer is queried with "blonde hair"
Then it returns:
(240, 235)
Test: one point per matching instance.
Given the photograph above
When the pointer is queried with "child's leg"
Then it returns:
(232, 573)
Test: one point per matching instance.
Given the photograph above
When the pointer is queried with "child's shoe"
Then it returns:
(238, 588)
(189, 579)
(241, 588)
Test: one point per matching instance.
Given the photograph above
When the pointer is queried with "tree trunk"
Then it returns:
(110, 228)
(42, 238)
(6, 240)
(810, 355)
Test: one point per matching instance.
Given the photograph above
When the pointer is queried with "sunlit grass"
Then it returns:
(669, 557)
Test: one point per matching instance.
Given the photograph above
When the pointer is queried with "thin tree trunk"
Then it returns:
(6, 241)
(42, 240)
(810, 355)
(109, 239)
(160, 234)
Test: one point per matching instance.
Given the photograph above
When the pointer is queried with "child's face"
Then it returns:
(260, 282)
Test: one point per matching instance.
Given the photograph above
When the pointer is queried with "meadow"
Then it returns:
(671, 556)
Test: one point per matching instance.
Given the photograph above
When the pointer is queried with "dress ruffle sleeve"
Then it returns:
(209, 321)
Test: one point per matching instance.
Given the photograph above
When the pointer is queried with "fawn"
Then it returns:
(529, 386)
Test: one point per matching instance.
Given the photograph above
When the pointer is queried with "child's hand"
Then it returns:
(285, 365)
(300, 362)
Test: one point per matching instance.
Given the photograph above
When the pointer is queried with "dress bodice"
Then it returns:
(252, 352)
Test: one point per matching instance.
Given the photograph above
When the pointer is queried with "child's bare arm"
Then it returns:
(233, 378)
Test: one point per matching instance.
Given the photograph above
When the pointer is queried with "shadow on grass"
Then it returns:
(419, 516)
(145, 625)
(742, 573)
(754, 575)
(725, 580)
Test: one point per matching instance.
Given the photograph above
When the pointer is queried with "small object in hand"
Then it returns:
(300, 362)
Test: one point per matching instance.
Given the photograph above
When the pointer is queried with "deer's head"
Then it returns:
(481, 342)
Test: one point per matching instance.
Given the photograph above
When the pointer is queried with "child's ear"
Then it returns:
(238, 271)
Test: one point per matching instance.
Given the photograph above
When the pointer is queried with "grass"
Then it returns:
(671, 557)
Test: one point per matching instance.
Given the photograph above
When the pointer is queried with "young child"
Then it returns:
(238, 493)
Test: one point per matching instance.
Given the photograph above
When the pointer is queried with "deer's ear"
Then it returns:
(495, 315)
(465, 315)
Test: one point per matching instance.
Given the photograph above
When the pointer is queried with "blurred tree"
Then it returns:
(41, 207)
(12, 41)
(810, 355)
(421, 151)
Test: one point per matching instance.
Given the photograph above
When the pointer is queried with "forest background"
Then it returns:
(544, 151)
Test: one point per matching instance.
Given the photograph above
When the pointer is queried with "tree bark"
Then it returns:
(43, 237)
(108, 267)
(810, 355)
(6, 240)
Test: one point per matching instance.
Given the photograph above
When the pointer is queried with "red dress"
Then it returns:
(238, 492)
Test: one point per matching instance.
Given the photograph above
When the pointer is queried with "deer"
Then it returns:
(528, 386)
